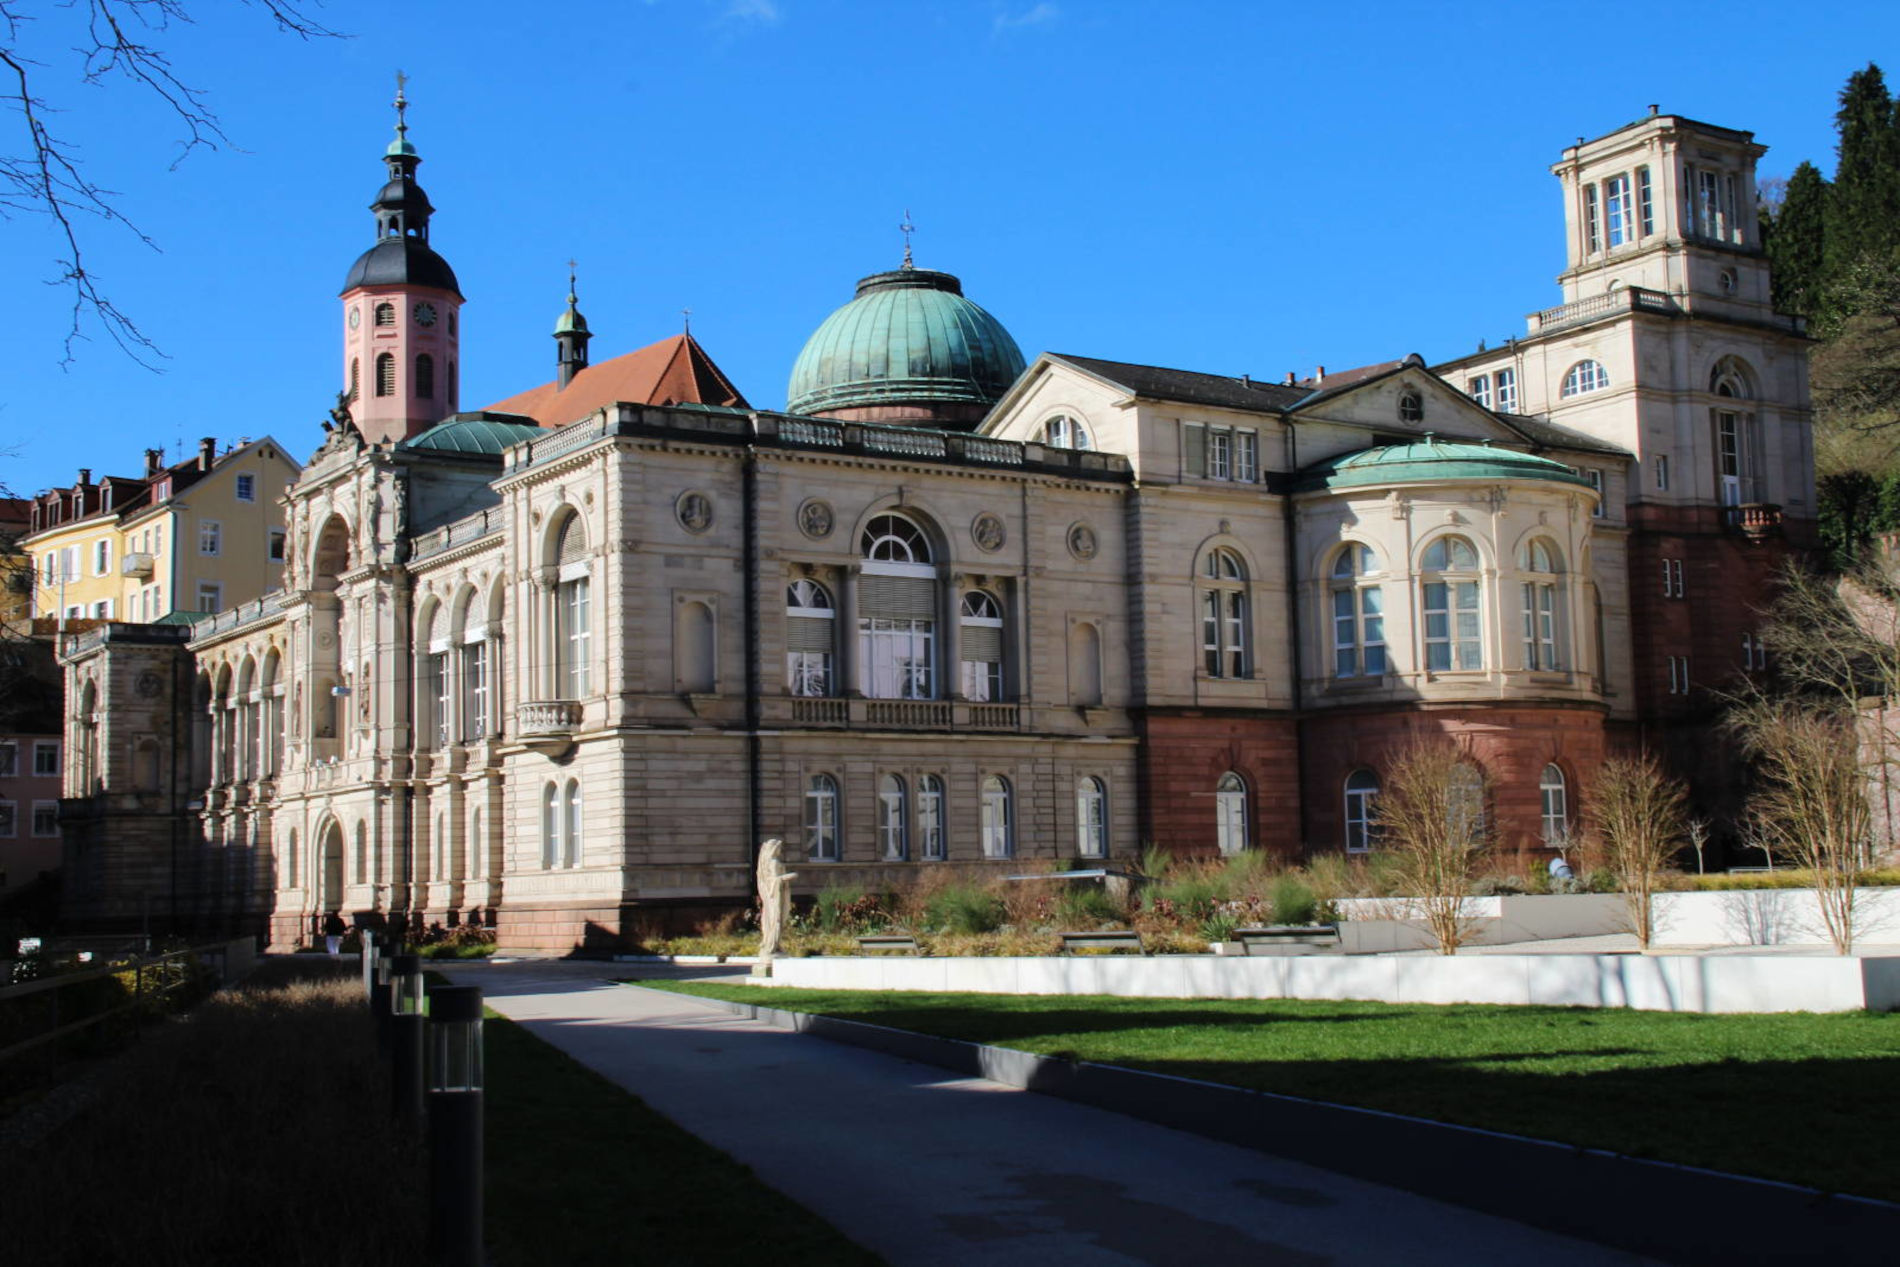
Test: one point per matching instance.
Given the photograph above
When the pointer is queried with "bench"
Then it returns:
(889, 941)
(1262, 940)
(1110, 939)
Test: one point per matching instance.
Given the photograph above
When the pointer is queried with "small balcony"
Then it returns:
(1758, 521)
(136, 565)
(540, 719)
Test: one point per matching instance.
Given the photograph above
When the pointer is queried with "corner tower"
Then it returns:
(401, 310)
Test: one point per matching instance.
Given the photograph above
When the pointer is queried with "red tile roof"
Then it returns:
(674, 371)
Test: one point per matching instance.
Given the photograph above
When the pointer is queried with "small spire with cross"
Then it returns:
(572, 298)
(402, 105)
(907, 228)
(686, 317)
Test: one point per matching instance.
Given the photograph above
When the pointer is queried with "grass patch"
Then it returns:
(1800, 1097)
(581, 1171)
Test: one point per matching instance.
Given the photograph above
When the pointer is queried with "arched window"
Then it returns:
(386, 374)
(550, 826)
(931, 841)
(1362, 794)
(573, 618)
(1411, 407)
(1448, 589)
(897, 608)
(1091, 817)
(810, 635)
(1358, 613)
(999, 820)
(821, 818)
(893, 834)
(571, 827)
(1552, 791)
(1224, 615)
(1464, 804)
(1064, 432)
(981, 635)
(1543, 604)
(1584, 376)
(1734, 440)
(425, 376)
(435, 689)
(1230, 813)
(385, 314)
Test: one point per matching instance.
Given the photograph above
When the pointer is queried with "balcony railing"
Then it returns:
(1582, 311)
(547, 717)
(909, 714)
(1756, 520)
(821, 712)
(993, 716)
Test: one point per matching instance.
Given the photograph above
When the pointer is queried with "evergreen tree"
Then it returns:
(1797, 238)
(1864, 211)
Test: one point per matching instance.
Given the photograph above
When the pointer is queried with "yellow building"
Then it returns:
(196, 536)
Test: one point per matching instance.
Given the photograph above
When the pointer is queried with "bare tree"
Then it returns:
(1432, 822)
(96, 41)
(1639, 816)
(1811, 802)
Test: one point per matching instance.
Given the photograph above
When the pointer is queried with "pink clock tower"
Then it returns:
(401, 310)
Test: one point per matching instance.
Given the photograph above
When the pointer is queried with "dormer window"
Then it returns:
(1064, 432)
(1411, 407)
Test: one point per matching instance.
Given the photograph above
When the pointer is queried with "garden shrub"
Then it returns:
(1293, 900)
(1082, 907)
(963, 908)
(848, 909)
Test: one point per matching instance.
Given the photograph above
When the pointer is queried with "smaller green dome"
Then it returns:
(473, 433)
(400, 148)
(571, 321)
(1433, 461)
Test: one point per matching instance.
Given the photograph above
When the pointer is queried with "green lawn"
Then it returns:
(580, 1171)
(1802, 1097)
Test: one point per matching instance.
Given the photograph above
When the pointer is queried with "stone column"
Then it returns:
(848, 683)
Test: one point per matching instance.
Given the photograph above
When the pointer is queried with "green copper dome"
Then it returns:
(1431, 461)
(910, 337)
(473, 433)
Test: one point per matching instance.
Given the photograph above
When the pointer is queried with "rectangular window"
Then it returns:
(276, 545)
(1672, 586)
(46, 758)
(1661, 468)
(101, 557)
(439, 681)
(1479, 389)
(158, 538)
(1618, 211)
(1220, 455)
(1540, 626)
(930, 837)
(69, 562)
(9, 760)
(1645, 202)
(102, 610)
(1592, 235)
(247, 488)
(1193, 449)
(578, 629)
(210, 537)
(1707, 205)
(210, 596)
(46, 818)
(1507, 391)
(896, 656)
(1596, 482)
(8, 827)
(1678, 675)
(1246, 456)
(475, 715)
(1453, 639)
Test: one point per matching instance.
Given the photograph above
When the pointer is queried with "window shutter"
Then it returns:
(808, 633)
(1194, 449)
(906, 597)
(982, 642)
(573, 548)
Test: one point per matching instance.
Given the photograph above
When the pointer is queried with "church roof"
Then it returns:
(1430, 461)
(404, 261)
(674, 371)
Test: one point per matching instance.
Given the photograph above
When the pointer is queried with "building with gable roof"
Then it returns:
(560, 665)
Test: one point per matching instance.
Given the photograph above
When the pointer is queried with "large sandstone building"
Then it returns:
(560, 664)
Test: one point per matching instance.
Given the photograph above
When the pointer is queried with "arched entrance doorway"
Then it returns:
(330, 862)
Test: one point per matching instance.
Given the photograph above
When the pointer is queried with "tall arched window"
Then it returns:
(821, 818)
(425, 376)
(893, 834)
(1735, 460)
(571, 826)
(386, 374)
(1584, 376)
(931, 841)
(1362, 795)
(573, 617)
(1448, 590)
(385, 314)
(1358, 613)
(550, 826)
(981, 635)
(1543, 604)
(1091, 817)
(1230, 813)
(1064, 432)
(998, 819)
(1224, 615)
(811, 632)
(1556, 804)
(897, 609)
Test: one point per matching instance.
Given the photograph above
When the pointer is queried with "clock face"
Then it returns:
(356, 318)
(425, 314)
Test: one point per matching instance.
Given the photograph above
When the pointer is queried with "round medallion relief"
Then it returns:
(1082, 541)
(694, 511)
(149, 685)
(988, 532)
(814, 518)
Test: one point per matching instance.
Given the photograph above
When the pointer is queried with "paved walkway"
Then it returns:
(925, 1167)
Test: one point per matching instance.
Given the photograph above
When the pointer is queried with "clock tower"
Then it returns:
(401, 310)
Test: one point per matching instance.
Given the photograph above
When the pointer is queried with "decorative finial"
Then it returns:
(686, 318)
(907, 228)
(402, 105)
(572, 298)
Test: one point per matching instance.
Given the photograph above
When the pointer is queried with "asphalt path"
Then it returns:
(925, 1167)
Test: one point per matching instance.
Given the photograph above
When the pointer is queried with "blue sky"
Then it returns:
(1228, 187)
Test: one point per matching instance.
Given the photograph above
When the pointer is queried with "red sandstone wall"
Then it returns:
(1183, 756)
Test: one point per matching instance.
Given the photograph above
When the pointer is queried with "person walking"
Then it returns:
(333, 930)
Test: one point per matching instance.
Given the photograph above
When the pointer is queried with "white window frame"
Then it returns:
(246, 487)
(476, 672)
(1246, 457)
(215, 591)
(932, 842)
(1230, 814)
(809, 673)
(1451, 604)
(210, 538)
(998, 818)
(102, 557)
(1358, 614)
(1091, 817)
(1659, 469)
(1543, 607)
(1226, 616)
(1361, 803)
(1479, 389)
(1619, 207)
(1592, 230)
(893, 826)
(1220, 453)
(1507, 390)
(821, 818)
(1586, 376)
(573, 602)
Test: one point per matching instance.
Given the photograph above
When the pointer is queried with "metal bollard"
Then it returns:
(406, 1020)
(368, 938)
(455, 1125)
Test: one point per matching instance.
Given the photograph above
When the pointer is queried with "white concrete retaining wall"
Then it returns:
(1666, 983)
(1768, 917)
(1375, 924)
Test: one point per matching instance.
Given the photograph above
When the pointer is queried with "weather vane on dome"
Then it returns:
(907, 228)
(402, 105)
